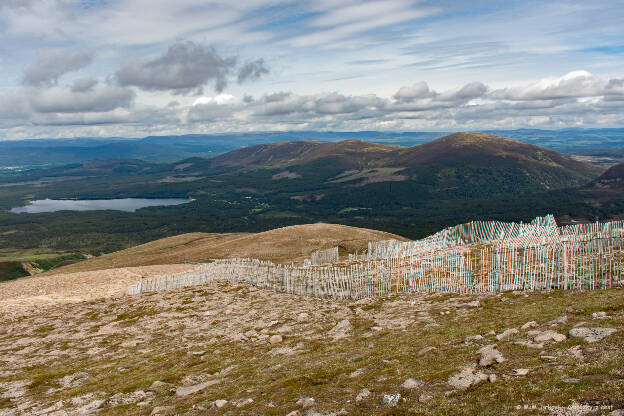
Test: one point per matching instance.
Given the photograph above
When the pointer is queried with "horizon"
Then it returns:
(250, 133)
(82, 68)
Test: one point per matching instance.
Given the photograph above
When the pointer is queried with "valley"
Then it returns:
(410, 191)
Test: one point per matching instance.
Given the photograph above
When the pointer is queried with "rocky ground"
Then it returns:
(230, 349)
(34, 291)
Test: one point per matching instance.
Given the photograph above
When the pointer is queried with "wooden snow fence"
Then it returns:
(319, 257)
(514, 257)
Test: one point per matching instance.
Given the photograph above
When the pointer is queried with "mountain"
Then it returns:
(612, 179)
(52, 152)
(454, 161)
(348, 153)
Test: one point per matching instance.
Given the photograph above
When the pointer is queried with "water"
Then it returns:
(126, 204)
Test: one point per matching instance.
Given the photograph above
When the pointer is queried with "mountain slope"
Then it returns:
(282, 245)
(612, 179)
(460, 160)
(349, 153)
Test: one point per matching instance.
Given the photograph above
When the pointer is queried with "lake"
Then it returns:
(125, 204)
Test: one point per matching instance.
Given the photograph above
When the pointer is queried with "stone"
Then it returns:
(530, 344)
(159, 409)
(577, 352)
(306, 402)
(426, 350)
(471, 338)
(411, 384)
(391, 400)
(591, 334)
(187, 390)
(363, 394)
(244, 402)
(558, 321)
(275, 339)
(550, 335)
(356, 373)
(293, 413)
(220, 403)
(571, 380)
(303, 317)
(341, 330)
(425, 397)
(530, 324)
(617, 412)
(492, 378)
(467, 377)
(507, 333)
(490, 355)
(599, 315)
(521, 371)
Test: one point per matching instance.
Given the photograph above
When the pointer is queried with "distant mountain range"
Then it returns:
(40, 152)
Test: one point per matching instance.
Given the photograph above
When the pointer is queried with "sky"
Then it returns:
(104, 68)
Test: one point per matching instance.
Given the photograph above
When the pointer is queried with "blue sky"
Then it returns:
(131, 68)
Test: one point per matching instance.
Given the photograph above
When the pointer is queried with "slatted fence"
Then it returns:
(485, 258)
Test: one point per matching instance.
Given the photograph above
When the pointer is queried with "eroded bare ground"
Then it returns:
(228, 349)
(32, 292)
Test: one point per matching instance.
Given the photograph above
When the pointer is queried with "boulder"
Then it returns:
(467, 377)
(507, 333)
(490, 355)
(363, 394)
(411, 383)
(391, 400)
(591, 334)
(549, 335)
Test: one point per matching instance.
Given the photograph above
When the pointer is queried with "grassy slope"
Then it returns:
(10, 270)
(283, 245)
(165, 327)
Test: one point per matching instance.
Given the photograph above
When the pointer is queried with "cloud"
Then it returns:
(84, 84)
(62, 99)
(49, 68)
(573, 85)
(185, 67)
(252, 70)
(413, 92)
(420, 97)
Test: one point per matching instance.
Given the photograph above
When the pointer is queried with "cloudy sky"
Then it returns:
(136, 67)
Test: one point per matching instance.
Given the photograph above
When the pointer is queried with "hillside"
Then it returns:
(239, 350)
(457, 160)
(282, 245)
(612, 179)
(348, 154)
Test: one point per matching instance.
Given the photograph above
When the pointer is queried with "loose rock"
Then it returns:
(411, 383)
(426, 350)
(591, 334)
(490, 355)
(506, 334)
(341, 330)
(549, 335)
(363, 394)
(187, 390)
(530, 324)
(220, 403)
(391, 400)
(306, 402)
(275, 339)
(467, 377)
